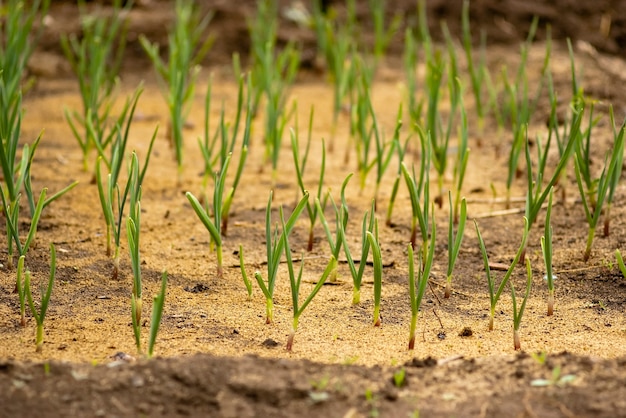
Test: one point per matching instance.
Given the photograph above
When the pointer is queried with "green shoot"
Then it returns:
(112, 197)
(537, 191)
(382, 36)
(401, 151)
(272, 75)
(20, 290)
(556, 379)
(295, 283)
(494, 106)
(275, 243)
(12, 220)
(418, 191)
(157, 312)
(520, 107)
(244, 275)
(340, 224)
(11, 208)
(461, 159)
(45, 298)
(178, 75)
(614, 181)
(594, 198)
(20, 20)
(365, 128)
(546, 250)
(366, 226)
(96, 59)
(476, 70)
(133, 227)
(431, 134)
(410, 70)
(20, 29)
(494, 294)
(378, 271)
(583, 155)
(383, 159)
(213, 225)
(300, 165)
(517, 314)
(416, 293)
(113, 164)
(335, 41)
(620, 262)
(454, 242)
(213, 157)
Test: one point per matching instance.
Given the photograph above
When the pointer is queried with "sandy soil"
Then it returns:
(215, 353)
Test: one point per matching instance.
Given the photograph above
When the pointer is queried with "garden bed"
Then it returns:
(216, 355)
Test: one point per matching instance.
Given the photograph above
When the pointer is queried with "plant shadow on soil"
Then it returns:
(216, 355)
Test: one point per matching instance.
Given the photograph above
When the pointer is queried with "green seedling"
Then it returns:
(11, 211)
(540, 357)
(495, 109)
(335, 42)
(263, 31)
(399, 377)
(419, 190)
(378, 271)
(538, 192)
(11, 208)
(300, 165)
(113, 163)
(382, 35)
(113, 198)
(583, 156)
(217, 157)
(295, 283)
(432, 133)
(213, 225)
(454, 242)
(555, 380)
(593, 199)
(494, 294)
(367, 135)
(614, 181)
(401, 151)
(518, 314)
(272, 74)
(383, 158)
(417, 290)
(95, 59)
(177, 76)
(546, 250)
(244, 274)
(520, 106)
(45, 298)
(20, 289)
(20, 28)
(477, 69)
(340, 225)
(620, 262)
(366, 226)
(157, 313)
(133, 228)
(462, 158)
(559, 134)
(410, 69)
(275, 244)
(211, 154)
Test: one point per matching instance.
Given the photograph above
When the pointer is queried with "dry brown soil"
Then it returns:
(215, 354)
